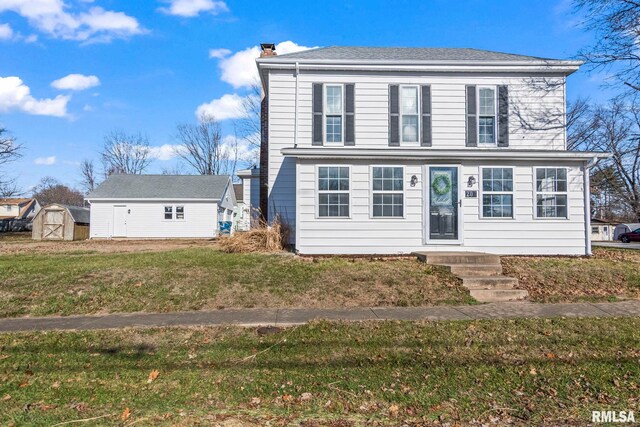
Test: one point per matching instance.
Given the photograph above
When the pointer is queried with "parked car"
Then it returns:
(632, 236)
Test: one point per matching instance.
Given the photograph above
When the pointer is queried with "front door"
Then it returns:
(119, 221)
(443, 203)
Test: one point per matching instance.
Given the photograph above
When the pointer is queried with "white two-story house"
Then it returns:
(394, 150)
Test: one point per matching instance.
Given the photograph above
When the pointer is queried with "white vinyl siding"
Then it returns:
(497, 192)
(387, 187)
(551, 192)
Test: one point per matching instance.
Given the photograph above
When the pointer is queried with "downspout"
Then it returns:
(587, 203)
(295, 115)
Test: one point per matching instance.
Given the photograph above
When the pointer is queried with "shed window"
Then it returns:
(168, 212)
(551, 193)
(333, 191)
(179, 212)
(595, 230)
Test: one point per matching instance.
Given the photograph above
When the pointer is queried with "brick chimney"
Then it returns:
(268, 49)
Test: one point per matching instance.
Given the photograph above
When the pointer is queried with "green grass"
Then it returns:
(529, 372)
(64, 283)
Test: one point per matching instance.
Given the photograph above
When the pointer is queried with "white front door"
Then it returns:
(119, 221)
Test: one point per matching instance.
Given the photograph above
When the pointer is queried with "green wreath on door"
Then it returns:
(441, 185)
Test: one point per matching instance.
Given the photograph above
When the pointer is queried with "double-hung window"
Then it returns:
(387, 191)
(487, 115)
(551, 192)
(497, 192)
(409, 113)
(334, 116)
(333, 191)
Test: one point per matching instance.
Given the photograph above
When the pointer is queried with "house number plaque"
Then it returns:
(470, 193)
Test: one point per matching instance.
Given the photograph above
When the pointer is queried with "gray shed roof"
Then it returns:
(355, 53)
(165, 187)
(79, 214)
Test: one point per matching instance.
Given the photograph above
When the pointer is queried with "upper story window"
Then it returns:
(487, 115)
(334, 113)
(409, 113)
(551, 193)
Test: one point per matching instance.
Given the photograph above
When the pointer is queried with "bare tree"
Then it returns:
(616, 30)
(249, 125)
(203, 148)
(125, 153)
(50, 190)
(89, 176)
(582, 124)
(618, 133)
(10, 151)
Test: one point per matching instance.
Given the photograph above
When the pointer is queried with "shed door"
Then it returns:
(53, 225)
(119, 221)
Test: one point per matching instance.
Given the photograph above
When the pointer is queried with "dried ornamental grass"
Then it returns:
(261, 238)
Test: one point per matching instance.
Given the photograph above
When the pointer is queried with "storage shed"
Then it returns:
(61, 222)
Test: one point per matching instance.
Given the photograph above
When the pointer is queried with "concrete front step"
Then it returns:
(498, 295)
(451, 258)
(474, 270)
(488, 282)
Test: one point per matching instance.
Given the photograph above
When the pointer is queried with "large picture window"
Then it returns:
(497, 192)
(333, 191)
(387, 189)
(551, 192)
(334, 113)
(409, 113)
(487, 116)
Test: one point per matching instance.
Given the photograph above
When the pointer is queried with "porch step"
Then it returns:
(489, 283)
(498, 295)
(481, 273)
(451, 258)
(474, 270)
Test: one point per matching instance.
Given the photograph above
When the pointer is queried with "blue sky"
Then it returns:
(146, 65)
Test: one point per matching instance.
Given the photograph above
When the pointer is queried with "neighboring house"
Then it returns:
(601, 230)
(241, 214)
(251, 192)
(161, 206)
(394, 150)
(61, 222)
(16, 214)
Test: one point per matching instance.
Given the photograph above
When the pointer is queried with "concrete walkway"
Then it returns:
(296, 316)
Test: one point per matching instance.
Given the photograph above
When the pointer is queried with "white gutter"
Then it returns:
(134, 199)
(429, 153)
(540, 62)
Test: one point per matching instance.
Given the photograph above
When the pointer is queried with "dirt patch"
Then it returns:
(12, 245)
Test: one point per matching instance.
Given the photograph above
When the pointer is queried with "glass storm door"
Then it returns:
(443, 203)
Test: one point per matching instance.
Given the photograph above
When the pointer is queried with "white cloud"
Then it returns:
(16, 96)
(239, 69)
(46, 161)
(191, 8)
(6, 32)
(92, 24)
(76, 82)
(229, 106)
(246, 151)
(219, 53)
(165, 152)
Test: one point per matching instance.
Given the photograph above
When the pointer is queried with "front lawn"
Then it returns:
(88, 279)
(524, 372)
(610, 274)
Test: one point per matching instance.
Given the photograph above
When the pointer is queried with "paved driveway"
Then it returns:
(620, 245)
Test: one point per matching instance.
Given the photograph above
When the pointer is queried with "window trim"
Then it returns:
(481, 193)
(317, 192)
(325, 114)
(535, 194)
(495, 115)
(372, 192)
(164, 212)
(174, 213)
(418, 114)
(184, 215)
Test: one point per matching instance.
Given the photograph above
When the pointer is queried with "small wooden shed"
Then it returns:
(61, 222)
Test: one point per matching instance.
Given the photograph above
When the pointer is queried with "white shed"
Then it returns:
(161, 206)
(624, 228)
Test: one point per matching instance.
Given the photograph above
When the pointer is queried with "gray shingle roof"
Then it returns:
(176, 187)
(354, 53)
(80, 215)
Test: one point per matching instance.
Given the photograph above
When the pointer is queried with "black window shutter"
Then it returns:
(394, 116)
(503, 116)
(472, 118)
(426, 116)
(350, 110)
(317, 102)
